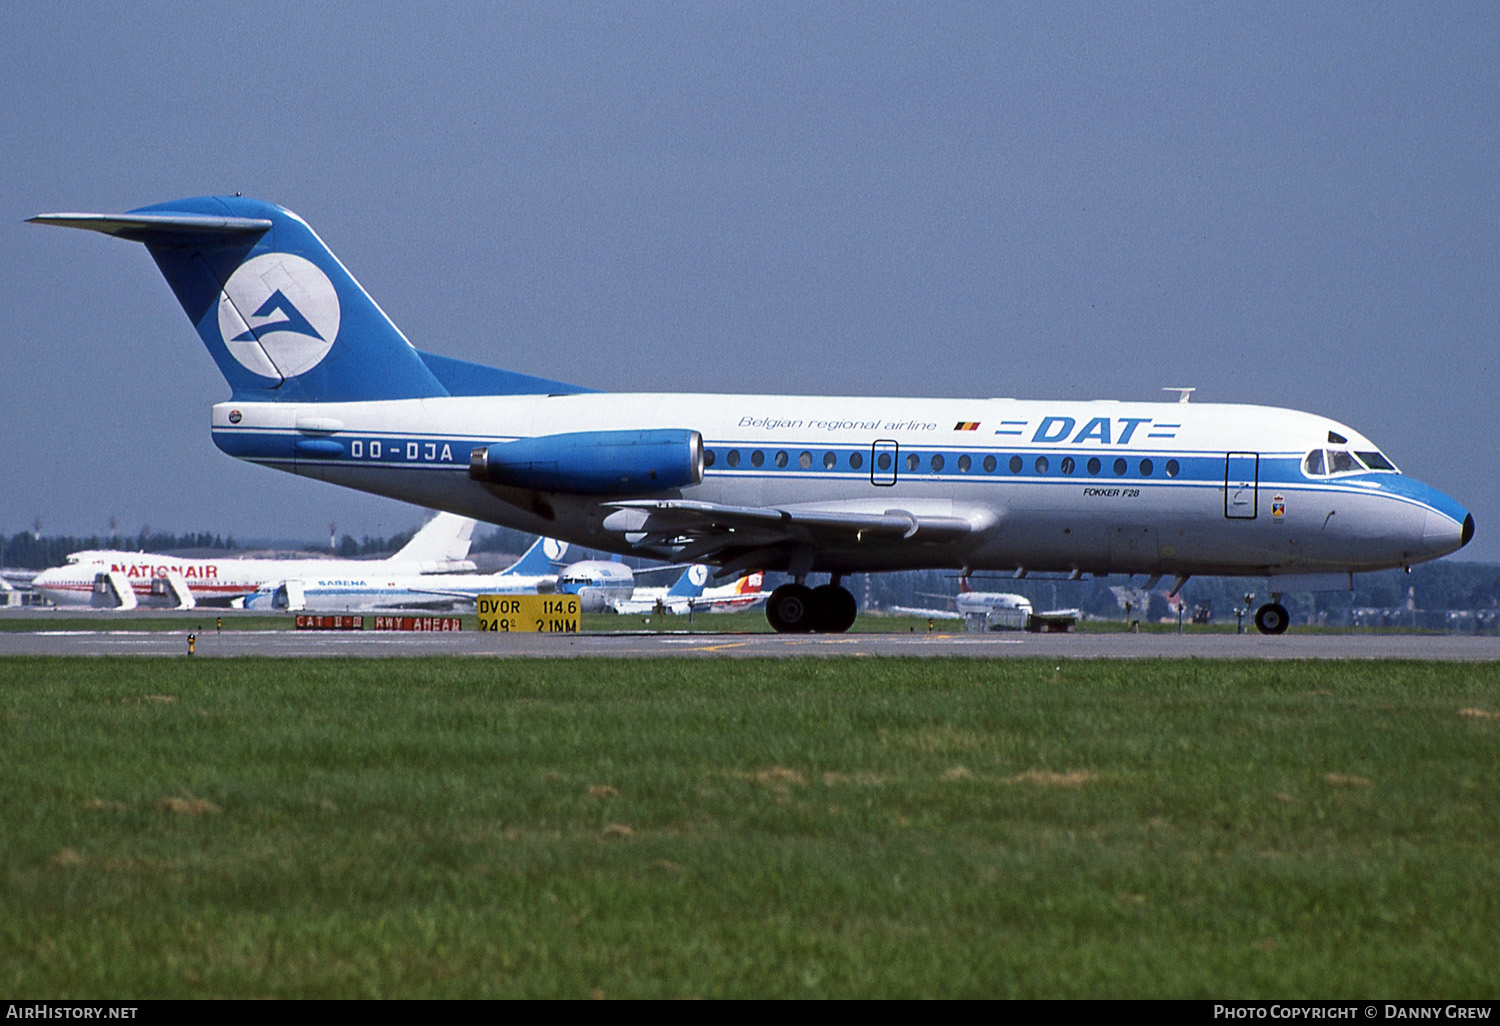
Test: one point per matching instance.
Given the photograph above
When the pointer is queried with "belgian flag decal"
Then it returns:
(966, 425)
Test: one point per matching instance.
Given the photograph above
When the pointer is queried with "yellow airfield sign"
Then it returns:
(515, 614)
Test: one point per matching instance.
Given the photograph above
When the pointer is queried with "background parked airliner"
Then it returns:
(373, 587)
(678, 597)
(735, 597)
(598, 583)
(609, 586)
(324, 385)
(1000, 606)
(124, 580)
(968, 602)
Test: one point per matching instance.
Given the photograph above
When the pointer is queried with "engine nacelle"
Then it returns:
(594, 462)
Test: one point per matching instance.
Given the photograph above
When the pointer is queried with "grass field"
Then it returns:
(422, 828)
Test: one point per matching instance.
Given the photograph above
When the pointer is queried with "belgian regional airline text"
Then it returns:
(1052, 430)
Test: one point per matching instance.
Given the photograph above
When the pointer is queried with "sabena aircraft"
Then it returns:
(598, 583)
(324, 385)
(125, 580)
(678, 597)
(373, 586)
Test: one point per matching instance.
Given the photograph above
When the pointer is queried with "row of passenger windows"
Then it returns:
(937, 461)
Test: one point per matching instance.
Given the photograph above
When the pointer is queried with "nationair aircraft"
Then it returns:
(322, 384)
(125, 580)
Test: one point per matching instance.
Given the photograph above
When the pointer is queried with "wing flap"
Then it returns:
(706, 527)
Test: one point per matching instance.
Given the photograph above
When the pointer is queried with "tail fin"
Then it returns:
(690, 584)
(750, 585)
(963, 586)
(280, 315)
(544, 557)
(442, 543)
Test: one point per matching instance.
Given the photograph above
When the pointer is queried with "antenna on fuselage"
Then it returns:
(1183, 394)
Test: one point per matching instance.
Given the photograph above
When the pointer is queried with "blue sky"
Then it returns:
(1289, 204)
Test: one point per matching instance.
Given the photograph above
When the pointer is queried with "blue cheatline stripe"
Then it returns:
(1198, 468)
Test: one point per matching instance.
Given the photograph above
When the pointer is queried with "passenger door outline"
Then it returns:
(1241, 485)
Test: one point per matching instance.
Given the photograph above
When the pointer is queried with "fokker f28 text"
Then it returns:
(324, 385)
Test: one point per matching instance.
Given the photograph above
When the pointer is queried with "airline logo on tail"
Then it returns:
(279, 315)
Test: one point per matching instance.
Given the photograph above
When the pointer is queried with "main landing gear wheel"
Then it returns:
(798, 609)
(1272, 618)
(833, 609)
(790, 609)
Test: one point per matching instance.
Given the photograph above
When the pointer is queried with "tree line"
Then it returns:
(31, 551)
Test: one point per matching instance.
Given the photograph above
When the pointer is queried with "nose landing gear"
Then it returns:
(798, 609)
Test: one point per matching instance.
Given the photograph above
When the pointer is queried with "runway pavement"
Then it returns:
(304, 644)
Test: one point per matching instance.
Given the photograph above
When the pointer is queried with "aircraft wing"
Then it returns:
(936, 614)
(696, 531)
(459, 595)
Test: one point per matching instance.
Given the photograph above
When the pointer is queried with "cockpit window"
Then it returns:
(1323, 462)
(1341, 461)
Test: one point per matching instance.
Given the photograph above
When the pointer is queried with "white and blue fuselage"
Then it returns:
(1170, 488)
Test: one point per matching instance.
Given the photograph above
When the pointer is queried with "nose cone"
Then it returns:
(1444, 525)
(1442, 533)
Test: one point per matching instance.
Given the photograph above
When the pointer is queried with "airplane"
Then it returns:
(323, 384)
(536, 572)
(739, 596)
(999, 606)
(687, 594)
(124, 580)
(680, 597)
(598, 583)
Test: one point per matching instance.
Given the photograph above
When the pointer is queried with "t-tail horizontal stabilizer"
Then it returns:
(282, 318)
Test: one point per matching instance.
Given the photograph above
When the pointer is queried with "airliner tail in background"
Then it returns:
(543, 558)
(442, 544)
